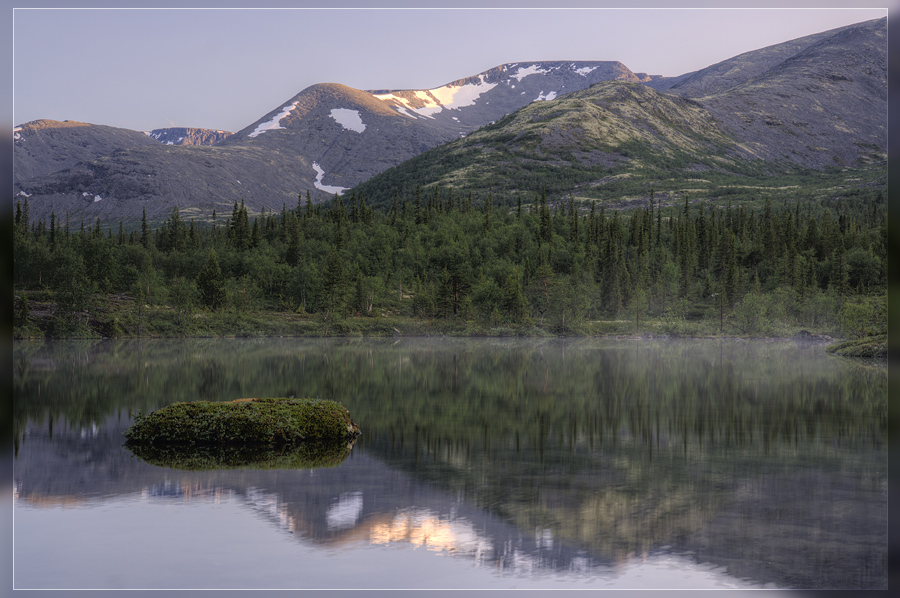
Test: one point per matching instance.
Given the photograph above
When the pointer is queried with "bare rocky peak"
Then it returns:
(315, 102)
(188, 136)
(44, 146)
(730, 73)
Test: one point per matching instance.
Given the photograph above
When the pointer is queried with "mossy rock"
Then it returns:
(262, 422)
(305, 455)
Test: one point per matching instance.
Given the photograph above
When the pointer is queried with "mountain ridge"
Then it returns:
(329, 137)
(816, 109)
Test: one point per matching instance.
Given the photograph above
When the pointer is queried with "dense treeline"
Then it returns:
(540, 266)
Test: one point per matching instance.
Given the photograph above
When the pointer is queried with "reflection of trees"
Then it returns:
(614, 446)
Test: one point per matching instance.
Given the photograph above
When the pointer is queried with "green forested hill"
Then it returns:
(617, 142)
(576, 144)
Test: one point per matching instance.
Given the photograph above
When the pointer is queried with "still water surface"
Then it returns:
(483, 464)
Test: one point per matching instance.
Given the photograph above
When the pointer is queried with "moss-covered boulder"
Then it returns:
(245, 422)
(869, 347)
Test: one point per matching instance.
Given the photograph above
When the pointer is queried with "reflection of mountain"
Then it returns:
(561, 523)
(363, 501)
(760, 456)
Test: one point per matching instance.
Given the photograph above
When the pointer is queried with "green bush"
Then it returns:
(864, 316)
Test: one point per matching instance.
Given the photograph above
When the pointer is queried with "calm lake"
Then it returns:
(483, 463)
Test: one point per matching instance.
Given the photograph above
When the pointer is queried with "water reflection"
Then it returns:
(304, 455)
(765, 460)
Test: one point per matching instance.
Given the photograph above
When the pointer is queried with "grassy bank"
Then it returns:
(117, 316)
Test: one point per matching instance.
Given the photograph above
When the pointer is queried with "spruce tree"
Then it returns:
(145, 229)
(334, 282)
(546, 222)
(211, 283)
(488, 211)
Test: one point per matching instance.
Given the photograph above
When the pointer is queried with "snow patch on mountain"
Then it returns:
(585, 70)
(541, 97)
(320, 174)
(448, 97)
(403, 111)
(97, 198)
(16, 135)
(521, 73)
(275, 122)
(349, 119)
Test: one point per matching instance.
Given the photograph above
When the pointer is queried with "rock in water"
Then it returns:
(269, 421)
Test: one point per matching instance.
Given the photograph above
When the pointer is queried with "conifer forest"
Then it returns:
(441, 262)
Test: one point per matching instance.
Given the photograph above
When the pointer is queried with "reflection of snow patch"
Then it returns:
(345, 512)
(544, 538)
(89, 432)
(274, 123)
(320, 174)
(349, 119)
(549, 96)
(270, 506)
(427, 529)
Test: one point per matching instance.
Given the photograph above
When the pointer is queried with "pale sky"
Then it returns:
(225, 68)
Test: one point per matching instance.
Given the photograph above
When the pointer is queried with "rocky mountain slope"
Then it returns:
(188, 136)
(825, 105)
(814, 102)
(45, 146)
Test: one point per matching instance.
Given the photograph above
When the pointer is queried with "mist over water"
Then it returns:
(485, 462)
